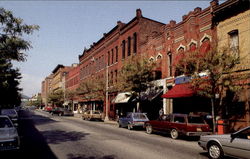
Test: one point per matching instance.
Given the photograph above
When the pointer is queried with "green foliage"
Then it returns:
(135, 75)
(220, 64)
(12, 47)
(56, 97)
(90, 90)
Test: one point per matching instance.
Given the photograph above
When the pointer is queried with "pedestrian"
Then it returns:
(161, 112)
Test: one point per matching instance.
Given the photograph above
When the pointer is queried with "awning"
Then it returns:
(122, 97)
(179, 91)
(151, 94)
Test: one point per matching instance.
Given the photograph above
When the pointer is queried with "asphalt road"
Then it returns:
(44, 136)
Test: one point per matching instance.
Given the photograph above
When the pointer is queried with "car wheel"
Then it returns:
(174, 134)
(215, 151)
(130, 127)
(119, 125)
(149, 129)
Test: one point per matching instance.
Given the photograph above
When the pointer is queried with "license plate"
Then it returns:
(198, 129)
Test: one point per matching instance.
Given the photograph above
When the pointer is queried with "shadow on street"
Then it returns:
(33, 144)
(58, 136)
(78, 156)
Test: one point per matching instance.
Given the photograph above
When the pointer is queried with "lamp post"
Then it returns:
(107, 95)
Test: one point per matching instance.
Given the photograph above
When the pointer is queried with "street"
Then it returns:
(72, 138)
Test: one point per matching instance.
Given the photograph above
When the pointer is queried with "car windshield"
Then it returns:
(8, 111)
(5, 122)
(139, 116)
(192, 119)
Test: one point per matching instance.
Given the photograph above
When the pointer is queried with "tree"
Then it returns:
(56, 97)
(12, 47)
(219, 65)
(135, 76)
(90, 90)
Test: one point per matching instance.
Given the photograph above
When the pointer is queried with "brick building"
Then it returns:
(46, 89)
(104, 58)
(71, 84)
(232, 20)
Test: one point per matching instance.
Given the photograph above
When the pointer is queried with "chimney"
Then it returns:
(214, 3)
(197, 9)
(172, 23)
(119, 23)
(138, 13)
(184, 17)
(104, 34)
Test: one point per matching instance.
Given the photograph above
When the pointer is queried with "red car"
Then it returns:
(48, 108)
(179, 124)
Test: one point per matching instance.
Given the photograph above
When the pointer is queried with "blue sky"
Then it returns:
(66, 27)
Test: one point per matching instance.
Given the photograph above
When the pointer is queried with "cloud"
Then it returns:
(30, 84)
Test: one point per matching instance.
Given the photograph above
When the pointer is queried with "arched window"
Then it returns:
(192, 46)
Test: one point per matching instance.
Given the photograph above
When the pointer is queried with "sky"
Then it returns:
(66, 27)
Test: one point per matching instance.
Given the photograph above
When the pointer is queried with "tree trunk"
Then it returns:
(213, 115)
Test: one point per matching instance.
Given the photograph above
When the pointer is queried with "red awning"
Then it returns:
(179, 91)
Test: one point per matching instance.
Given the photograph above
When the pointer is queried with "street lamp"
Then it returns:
(107, 95)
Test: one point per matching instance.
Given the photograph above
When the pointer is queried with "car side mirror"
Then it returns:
(233, 136)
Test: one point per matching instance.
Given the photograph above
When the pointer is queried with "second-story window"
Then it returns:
(135, 43)
(112, 54)
(170, 63)
(123, 49)
(108, 58)
(129, 46)
(116, 54)
(234, 41)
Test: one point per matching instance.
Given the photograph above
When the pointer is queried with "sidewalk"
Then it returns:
(112, 122)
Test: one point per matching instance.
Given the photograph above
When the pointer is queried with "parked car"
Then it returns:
(48, 108)
(12, 114)
(179, 124)
(235, 145)
(92, 115)
(133, 120)
(62, 111)
(9, 139)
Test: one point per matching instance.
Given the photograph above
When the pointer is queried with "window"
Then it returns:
(135, 43)
(123, 49)
(179, 119)
(170, 61)
(181, 50)
(108, 58)
(112, 54)
(192, 46)
(234, 41)
(116, 54)
(115, 76)
(129, 46)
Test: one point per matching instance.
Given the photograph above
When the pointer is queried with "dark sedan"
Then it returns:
(62, 112)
